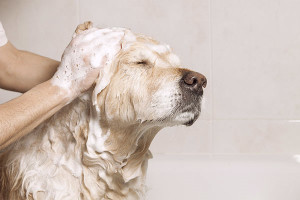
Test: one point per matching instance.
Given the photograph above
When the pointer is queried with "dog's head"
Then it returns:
(147, 85)
(140, 90)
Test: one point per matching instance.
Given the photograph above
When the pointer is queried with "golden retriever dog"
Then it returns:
(100, 149)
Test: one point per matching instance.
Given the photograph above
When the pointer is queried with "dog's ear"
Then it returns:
(110, 45)
(102, 81)
(106, 72)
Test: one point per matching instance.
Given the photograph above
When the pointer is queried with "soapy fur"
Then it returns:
(97, 147)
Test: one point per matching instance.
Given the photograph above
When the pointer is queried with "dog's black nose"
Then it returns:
(194, 81)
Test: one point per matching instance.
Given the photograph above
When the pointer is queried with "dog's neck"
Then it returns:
(115, 155)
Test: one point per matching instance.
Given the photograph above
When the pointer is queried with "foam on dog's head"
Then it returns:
(106, 73)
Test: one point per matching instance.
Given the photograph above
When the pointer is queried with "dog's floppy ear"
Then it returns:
(102, 81)
(110, 48)
(109, 45)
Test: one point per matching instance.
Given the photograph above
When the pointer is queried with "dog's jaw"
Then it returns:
(188, 113)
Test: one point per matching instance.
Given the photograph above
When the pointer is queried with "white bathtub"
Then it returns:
(225, 177)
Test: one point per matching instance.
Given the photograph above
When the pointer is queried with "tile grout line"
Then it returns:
(292, 155)
(257, 119)
(212, 147)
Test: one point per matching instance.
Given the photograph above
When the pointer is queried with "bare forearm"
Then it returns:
(21, 70)
(19, 116)
(35, 70)
(75, 75)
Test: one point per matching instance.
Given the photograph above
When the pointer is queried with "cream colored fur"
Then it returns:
(100, 151)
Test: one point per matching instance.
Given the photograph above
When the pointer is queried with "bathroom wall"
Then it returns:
(249, 51)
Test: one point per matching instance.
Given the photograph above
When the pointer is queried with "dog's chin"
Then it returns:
(188, 115)
(191, 121)
(182, 114)
(186, 118)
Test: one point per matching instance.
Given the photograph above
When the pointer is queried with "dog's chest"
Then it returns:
(54, 163)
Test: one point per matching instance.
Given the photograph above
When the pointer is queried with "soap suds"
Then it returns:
(88, 50)
(161, 49)
(96, 138)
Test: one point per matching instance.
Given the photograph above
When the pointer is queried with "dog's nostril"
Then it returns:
(194, 80)
(204, 82)
(190, 80)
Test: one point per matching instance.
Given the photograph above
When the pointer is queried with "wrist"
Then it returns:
(67, 94)
(62, 95)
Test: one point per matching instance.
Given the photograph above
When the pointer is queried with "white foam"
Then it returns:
(96, 138)
(91, 49)
(159, 48)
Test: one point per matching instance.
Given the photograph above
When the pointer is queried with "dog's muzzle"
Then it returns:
(191, 85)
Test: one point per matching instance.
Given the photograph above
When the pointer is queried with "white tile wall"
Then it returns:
(195, 139)
(248, 50)
(256, 137)
(256, 59)
(43, 27)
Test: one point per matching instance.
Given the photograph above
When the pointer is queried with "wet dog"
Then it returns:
(97, 147)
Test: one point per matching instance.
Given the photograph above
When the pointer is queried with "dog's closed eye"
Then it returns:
(142, 62)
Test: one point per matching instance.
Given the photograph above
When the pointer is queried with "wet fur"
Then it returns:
(55, 162)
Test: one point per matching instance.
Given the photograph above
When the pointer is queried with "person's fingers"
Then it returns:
(90, 79)
(100, 47)
(81, 27)
(95, 36)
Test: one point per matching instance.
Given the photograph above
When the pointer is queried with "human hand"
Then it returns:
(90, 50)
